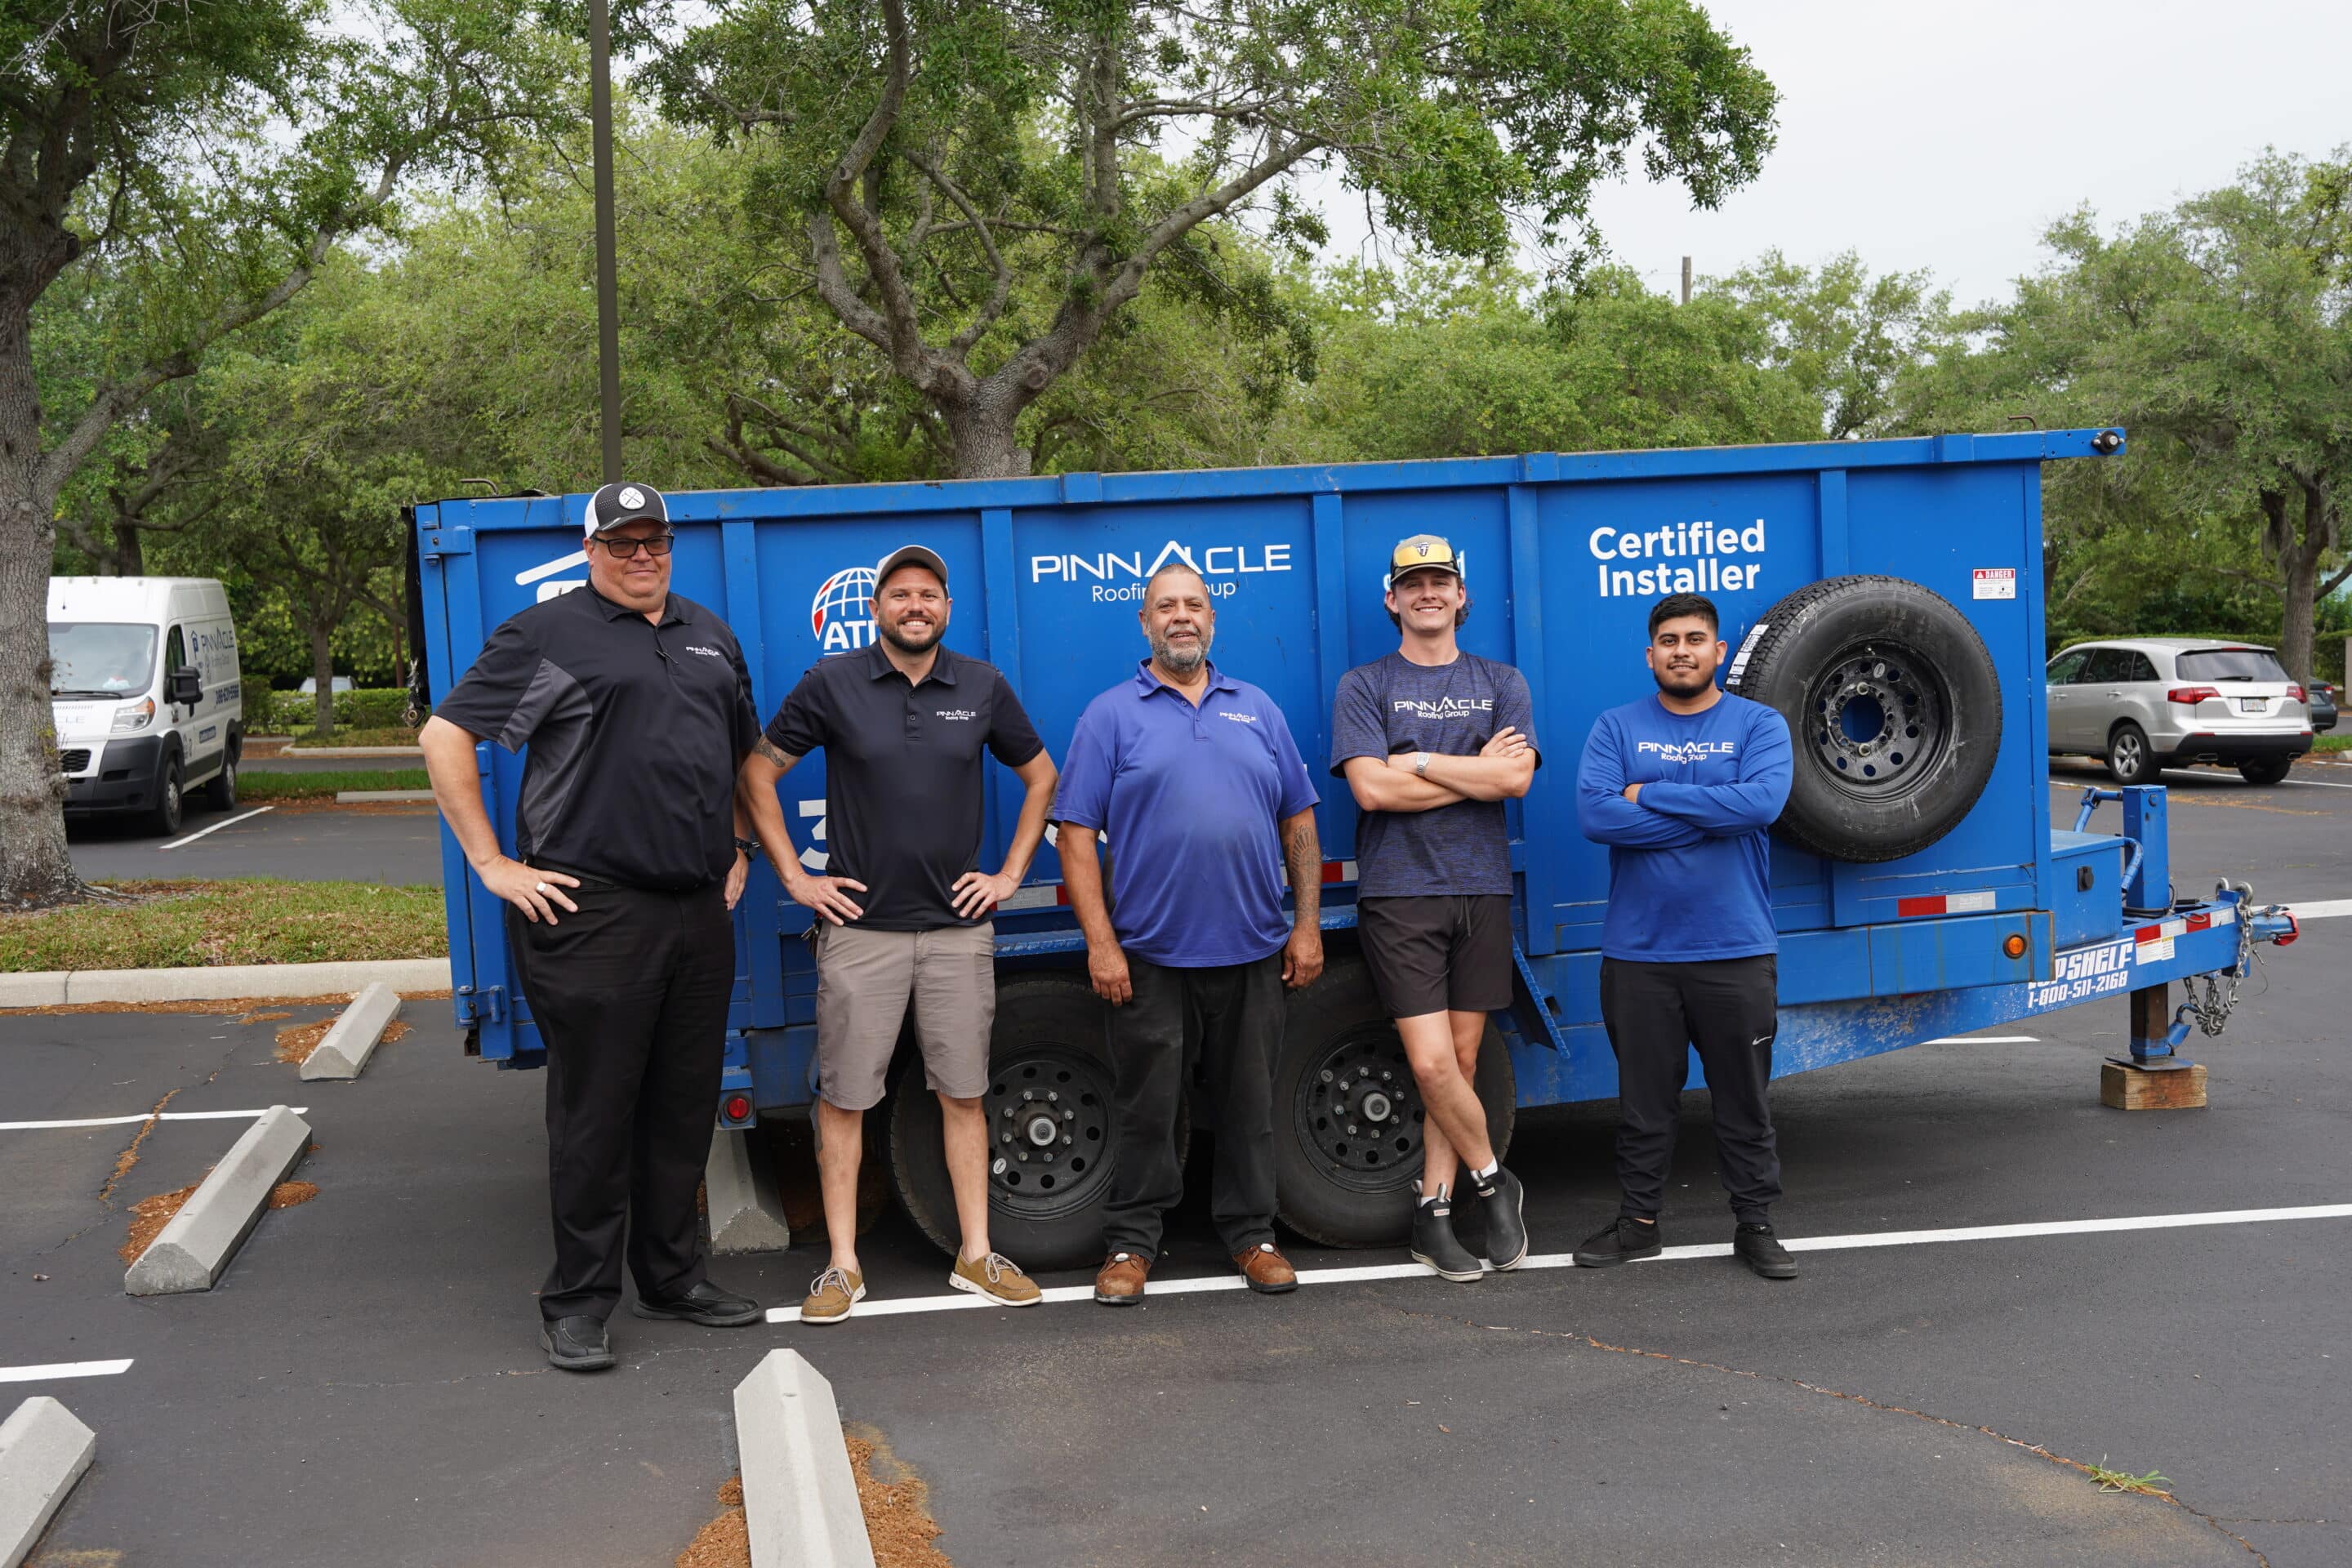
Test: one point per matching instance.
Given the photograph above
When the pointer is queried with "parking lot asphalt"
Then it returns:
(305, 842)
(364, 1387)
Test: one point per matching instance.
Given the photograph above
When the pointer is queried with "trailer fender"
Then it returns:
(1894, 711)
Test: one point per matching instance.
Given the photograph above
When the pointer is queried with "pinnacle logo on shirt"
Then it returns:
(705, 652)
(957, 715)
(1237, 718)
(1444, 707)
(1685, 751)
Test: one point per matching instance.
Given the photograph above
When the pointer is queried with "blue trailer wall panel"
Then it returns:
(1046, 573)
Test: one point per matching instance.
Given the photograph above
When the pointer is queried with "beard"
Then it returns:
(1179, 660)
(919, 643)
(1683, 682)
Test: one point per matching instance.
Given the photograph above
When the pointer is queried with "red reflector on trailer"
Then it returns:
(1943, 904)
(739, 1109)
(1334, 870)
(2201, 922)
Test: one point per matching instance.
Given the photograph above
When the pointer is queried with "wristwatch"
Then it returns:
(748, 847)
(1421, 764)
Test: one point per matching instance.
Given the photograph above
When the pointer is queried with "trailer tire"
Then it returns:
(1894, 711)
(1049, 1040)
(1355, 1189)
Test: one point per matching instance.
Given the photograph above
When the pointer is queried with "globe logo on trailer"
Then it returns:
(841, 615)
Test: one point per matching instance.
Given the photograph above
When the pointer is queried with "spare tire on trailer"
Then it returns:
(1893, 712)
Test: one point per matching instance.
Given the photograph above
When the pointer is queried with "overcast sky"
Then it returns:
(1926, 134)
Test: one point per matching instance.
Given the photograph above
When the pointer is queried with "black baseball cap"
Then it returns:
(616, 504)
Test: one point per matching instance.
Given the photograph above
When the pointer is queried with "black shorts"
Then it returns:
(1447, 954)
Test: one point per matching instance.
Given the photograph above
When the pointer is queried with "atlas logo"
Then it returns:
(842, 614)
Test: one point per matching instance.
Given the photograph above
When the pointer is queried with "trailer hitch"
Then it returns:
(2212, 997)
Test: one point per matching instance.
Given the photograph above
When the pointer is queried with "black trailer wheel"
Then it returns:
(1347, 1116)
(1894, 710)
(1051, 1142)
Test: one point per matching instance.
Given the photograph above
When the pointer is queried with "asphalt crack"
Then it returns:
(2219, 1526)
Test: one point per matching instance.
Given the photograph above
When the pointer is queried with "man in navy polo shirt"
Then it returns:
(1194, 779)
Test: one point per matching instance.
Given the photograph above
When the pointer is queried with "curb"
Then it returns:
(800, 1498)
(44, 1450)
(196, 1246)
(344, 1053)
(349, 751)
(194, 982)
(745, 1214)
(374, 797)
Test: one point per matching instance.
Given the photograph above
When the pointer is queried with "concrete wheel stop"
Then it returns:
(193, 1250)
(44, 1450)
(344, 1053)
(799, 1498)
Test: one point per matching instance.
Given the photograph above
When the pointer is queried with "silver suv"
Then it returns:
(2161, 702)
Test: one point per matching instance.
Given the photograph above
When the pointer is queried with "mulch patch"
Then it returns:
(149, 1216)
(210, 1004)
(297, 1041)
(898, 1515)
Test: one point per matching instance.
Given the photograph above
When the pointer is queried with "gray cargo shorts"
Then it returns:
(865, 981)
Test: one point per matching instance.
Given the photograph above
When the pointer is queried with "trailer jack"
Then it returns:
(2154, 1077)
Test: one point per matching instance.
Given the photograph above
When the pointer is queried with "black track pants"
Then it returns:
(630, 994)
(1728, 1009)
(1236, 1011)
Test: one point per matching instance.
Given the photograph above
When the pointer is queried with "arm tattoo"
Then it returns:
(1306, 858)
(773, 752)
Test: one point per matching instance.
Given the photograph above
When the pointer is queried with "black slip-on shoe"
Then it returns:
(1757, 1246)
(1433, 1244)
(1502, 1204)
(576, 1344)
(705, 1304)
(1623, 1240)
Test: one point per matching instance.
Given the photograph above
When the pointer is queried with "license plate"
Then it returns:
(2254, 705)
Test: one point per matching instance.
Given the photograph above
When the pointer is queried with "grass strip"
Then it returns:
(2333, 742)
(259, 787)
(388, 735)
(257, 920)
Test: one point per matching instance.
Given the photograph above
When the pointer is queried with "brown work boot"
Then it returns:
(1269, 1273)
(1121, 1281)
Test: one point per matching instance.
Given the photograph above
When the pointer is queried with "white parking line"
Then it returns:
(2320, 784)
(64, 1369)
(2326, 910)
(1984, 1040)
(128, 1120)
(215, 827)
(959, 1302)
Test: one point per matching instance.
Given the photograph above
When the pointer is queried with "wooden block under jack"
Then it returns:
(2123, 1086)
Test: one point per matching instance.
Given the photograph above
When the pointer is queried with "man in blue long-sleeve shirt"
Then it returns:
(1683, 788)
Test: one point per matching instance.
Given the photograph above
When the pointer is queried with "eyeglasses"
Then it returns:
(627, 548)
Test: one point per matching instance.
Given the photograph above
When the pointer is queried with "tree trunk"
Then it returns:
(129, 550)
(982, 433)
(35, 868)
(323, 670)
(2299, 581)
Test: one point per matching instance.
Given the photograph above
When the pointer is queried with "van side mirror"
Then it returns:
(185, 684)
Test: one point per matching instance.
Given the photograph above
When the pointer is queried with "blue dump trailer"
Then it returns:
(1886, 597)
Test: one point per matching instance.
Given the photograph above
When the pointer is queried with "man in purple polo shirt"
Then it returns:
(1195, 781)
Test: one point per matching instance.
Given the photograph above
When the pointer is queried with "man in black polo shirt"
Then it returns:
(904, 906)
(628, 855)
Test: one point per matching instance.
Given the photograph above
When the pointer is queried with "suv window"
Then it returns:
(2232, 664)
(2109, 664)
(2140, 670)
(2067, 667)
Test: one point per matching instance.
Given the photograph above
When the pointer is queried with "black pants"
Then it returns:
(1728, 1010)
(1236, 1011)
(630, 994)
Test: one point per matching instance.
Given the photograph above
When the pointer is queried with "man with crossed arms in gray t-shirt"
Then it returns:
(1431, 741)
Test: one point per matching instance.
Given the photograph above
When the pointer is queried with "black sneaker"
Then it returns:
(705, 1303)
(1757, 1246)
(1502, 1203)
(1434, 1245)
(1622, 1240)
(576, 1344)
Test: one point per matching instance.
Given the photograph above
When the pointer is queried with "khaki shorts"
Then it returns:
(865, 981)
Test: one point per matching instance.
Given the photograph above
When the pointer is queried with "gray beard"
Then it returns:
(1176, 663)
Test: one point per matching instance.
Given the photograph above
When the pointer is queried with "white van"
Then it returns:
(146, 694)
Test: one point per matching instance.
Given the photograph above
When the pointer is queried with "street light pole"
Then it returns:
(608, 308)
